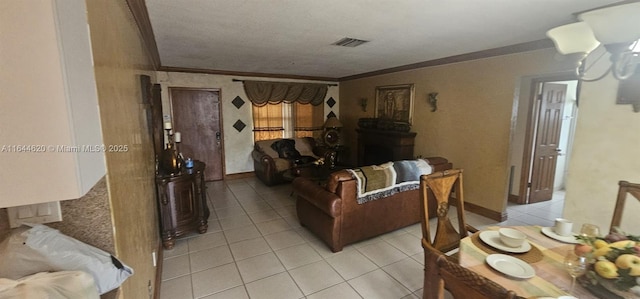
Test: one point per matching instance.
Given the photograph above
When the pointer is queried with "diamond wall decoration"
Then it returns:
(331, 114)
(331, 102)
(238, 102)
(239, 125)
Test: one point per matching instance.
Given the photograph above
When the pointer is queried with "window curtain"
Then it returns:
(261, 93)
(267, 122)
(286, 109)
(308, 120)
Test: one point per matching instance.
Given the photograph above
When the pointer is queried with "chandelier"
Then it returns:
(612, 29)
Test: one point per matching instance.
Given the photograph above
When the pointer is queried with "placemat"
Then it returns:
(532, 256)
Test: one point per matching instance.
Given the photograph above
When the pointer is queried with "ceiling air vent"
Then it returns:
(350, 42)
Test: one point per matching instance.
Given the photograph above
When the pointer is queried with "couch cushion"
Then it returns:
(304, 147)
(411, 170)
(265, 147)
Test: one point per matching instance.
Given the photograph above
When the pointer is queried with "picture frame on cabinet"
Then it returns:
(395, 102)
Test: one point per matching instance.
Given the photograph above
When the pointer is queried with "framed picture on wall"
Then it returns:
(395, 102)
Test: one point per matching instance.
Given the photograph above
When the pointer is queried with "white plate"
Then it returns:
(492, 238)
(511, 266)
(548, 231)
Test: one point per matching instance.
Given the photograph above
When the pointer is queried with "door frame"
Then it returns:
(532, 122)
(219, 91)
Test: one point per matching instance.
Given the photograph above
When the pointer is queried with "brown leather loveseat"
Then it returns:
(333, 213)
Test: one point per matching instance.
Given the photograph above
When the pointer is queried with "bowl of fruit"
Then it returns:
(615, 263)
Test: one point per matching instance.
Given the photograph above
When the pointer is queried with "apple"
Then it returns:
(615, 237)
(582, 249)
(629, 261)
(606, 269)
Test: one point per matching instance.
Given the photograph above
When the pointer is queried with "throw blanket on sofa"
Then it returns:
(379, 181)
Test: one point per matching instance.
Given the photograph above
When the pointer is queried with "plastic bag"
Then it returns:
(42, 248)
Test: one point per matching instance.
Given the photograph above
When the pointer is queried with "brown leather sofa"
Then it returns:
(273, 169)
(333, 214)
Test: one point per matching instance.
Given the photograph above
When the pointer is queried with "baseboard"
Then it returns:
(159, 262)
(241, 175)
(514, 198)
(491, 214)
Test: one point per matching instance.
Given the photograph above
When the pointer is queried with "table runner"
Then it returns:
(551, 278)
(532, 256)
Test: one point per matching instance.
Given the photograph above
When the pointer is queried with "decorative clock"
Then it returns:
(331, 137)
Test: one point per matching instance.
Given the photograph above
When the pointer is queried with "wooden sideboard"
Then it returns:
(182, 203)
(380, 146)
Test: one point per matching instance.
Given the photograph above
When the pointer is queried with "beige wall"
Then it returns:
(605, 150)
(472, 126)
(120, 57)
(237, 145)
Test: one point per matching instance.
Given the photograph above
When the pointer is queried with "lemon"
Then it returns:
(599, 243)
(602, 251)
(623, 244)
(606, 269)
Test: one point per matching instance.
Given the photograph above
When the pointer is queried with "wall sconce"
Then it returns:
(617, 28)
(363, 104)
(433, 101)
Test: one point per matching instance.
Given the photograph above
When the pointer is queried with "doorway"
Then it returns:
(551, 118)
(197, 116)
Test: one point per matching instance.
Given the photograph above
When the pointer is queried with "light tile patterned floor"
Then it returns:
(255, 248)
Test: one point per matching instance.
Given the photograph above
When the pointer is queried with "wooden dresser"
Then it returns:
(380, 146)
(182, 203)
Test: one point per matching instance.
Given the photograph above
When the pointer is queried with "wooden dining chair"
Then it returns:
(440, 273)
(441, 183)
(623, 189)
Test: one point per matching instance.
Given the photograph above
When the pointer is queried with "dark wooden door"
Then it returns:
(196, 115)
(546, 141)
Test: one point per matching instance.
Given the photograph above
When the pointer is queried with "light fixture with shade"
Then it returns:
(616, 28)
(332, 122)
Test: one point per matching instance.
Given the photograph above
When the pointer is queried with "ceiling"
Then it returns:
(294, 37)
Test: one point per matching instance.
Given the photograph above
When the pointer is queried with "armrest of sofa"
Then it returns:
(262, 160)
(315, 194)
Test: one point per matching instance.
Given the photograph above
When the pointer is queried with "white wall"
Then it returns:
(237, 145)
(49, 101)
(605, 150)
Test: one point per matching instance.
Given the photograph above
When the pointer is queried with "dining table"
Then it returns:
(546, 257)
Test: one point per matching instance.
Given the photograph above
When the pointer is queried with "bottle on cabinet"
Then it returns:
(171, 160)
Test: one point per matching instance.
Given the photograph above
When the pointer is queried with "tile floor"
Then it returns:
(255, 248)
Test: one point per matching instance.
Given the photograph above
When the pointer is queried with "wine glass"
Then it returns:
(576, 265)
(590, 230)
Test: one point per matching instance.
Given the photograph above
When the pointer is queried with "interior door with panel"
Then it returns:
(196, 115)
(547, 137)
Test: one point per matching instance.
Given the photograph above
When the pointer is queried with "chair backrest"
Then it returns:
(441, 184)
(623, 189)
(440, 273)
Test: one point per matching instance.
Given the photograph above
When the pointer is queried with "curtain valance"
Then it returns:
(261, 93)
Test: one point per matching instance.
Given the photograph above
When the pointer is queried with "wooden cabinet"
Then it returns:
(380, 146)
(182, 203)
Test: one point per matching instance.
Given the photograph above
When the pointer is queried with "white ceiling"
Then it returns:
(294, 37)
